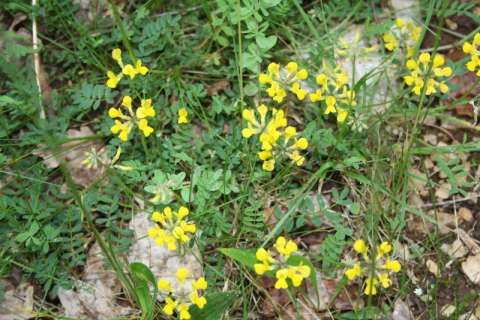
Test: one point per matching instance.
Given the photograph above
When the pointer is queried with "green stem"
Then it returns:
(123, 33)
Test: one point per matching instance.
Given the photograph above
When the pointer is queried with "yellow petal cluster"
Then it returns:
(355, 48)
(280, 80)
(171, 229)
(125, 118)
(126, 69)
(473, 49)
(419, 70)
(180, 300)
(333, 92)
(402, 35)
(276, 138)
(283, 271)
(383, 266)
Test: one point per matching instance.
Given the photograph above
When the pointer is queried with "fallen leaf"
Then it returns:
(447, 310)
(95, 295)
(465, 214)
(217, 87)
(401, 311)
(443, 191)
(471, 268)
(74, 153)
(455, 250)
(469, 242)
(433, 267)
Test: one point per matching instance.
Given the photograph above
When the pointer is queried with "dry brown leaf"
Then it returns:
(447, 310)
(471, 268)
(17, 303)
(322, 299)
(217, 87)
(401, 311)
(465, 214)
(455, 250)
(443, 191)
(95, 295)
(74, 153)
(433, 267)
(469, 242)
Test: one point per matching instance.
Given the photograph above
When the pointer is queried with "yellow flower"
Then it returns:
(182, 116)
(399, 22)
(169, 307)
(316, 96)
(330, 102)
(473, 49)
(284, 247)
(299, 92)
(302, 74)
(140, 69)
(291, 67)
(200, 284)
(390, 40)
(199, 301)
(354, 272)
(274, 69)
(144, 127)
(281, 276)
(302, 143)
(182, 274)
(268, 165)
(385, 280)
(419, 71)
(341, 115)
(113, 79)
(360, 247)
(297, 274)
(117, 56)
(384, 248)
(129, 70)
(370, 286)
(146, 109)
(392, 265)
(264, 78)
(164, 285)
(173, 228)
(183, 311)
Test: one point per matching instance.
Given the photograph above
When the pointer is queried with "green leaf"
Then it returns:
(217, 304)
(142, 272)
(266, 43)
(245, 256)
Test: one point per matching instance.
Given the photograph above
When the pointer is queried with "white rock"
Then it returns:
(162, 262)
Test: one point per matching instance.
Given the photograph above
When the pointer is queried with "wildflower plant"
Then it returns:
(381, 263)
(125, 117)
(281, 80)
(429, 72)
(178, 297)
(126, 69)
(278, 263)
(473, 49)
(276, 138)
(333, 92)
(124, 122)
(403, 36)
(172, 229)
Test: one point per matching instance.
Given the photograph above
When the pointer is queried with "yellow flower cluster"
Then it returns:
(171, 229)
(402, 35)
(127, 69)
(473, 49)
(383, 266)
(420, 69)
(334, 92)
(276, 137)
(125, 121)
(279, 264)
(281, 80)
(180, 300)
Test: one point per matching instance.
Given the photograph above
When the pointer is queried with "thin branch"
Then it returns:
(36, 60)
